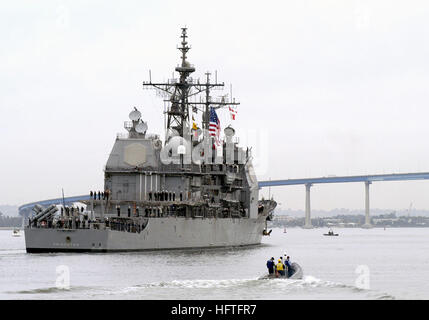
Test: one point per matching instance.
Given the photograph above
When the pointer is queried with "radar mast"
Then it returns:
(179, 91)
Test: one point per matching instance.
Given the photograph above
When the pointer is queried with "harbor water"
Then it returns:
(357, 264)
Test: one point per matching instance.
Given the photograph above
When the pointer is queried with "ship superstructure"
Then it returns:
(190, 190)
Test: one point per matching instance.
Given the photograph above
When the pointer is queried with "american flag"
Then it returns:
(214, 125)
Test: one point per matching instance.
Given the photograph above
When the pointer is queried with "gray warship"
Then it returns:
(192, 190)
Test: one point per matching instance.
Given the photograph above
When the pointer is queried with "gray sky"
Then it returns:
(332, 87)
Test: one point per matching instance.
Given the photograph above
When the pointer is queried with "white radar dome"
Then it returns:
(135, 115)
(141, 127)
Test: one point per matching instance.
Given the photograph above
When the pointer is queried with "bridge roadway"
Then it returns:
(367, 179)
(26, 208)
(308, 182)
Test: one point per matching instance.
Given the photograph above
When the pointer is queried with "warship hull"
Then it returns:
(159, 234)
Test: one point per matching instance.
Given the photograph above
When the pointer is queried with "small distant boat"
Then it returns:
(330, 233)
(16, 233)
(284, 230)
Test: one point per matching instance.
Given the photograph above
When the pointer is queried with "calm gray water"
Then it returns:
(397, 261)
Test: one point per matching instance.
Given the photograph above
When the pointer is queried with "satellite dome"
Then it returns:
(141, 127)
(229, 131)
(135, 115)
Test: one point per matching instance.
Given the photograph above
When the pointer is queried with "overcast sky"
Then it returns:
(326, 88)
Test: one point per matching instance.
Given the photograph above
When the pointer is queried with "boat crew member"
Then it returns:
(270, 265)
(280, 268)
(281, 259)
(284, 262)
(288, 267)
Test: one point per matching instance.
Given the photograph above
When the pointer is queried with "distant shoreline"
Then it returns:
(343, 227)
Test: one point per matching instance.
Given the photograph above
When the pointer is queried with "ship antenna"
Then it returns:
(180, 106)
(179, 94)
(64, 203)
(207, 106)
(184, 48)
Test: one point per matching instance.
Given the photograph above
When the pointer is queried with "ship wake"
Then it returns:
(279, 289)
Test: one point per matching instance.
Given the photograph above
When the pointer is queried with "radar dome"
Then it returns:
(229, 131)
(141, 127)
(135, 115)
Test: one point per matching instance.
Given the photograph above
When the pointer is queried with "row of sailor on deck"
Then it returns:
(164, 196)
(153, 196)
(101, 195)
(83, 222)
(154, 211)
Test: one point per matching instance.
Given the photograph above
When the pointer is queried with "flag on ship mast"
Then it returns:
(214, 126)
(195, 129)
(194, 125)
(233, 112)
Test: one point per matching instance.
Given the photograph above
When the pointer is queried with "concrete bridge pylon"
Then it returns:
(367, 224)
(307, 224)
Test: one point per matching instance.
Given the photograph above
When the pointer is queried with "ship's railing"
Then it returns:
(128, 125)
(175, 80)
(117, 224)
(187, 66)
(123, 135)
(180, 168)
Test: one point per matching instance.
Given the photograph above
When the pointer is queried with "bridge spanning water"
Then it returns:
(25, 209)
(366, 179)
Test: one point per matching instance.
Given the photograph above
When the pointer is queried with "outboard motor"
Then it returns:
(296, 271)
